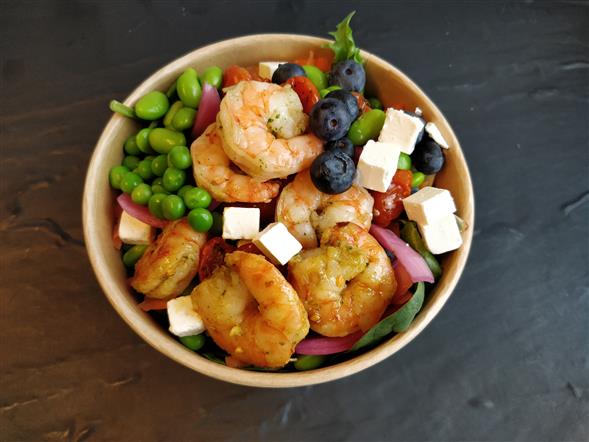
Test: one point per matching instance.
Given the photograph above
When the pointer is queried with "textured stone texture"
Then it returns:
(507, 358)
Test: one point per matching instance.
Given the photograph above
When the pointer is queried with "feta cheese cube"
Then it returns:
(434, 132)
(241, 222)
(401, 130)
(266, 68)
(133, 231)
(184, 321)
(441, 236)
(276, 242)
(428, 205)
(377, 165)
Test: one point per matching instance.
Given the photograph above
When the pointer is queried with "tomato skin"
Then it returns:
(363, 103)
(306, 90)
(323, 62)
(234, 74)
(212, 256)
(388, 205)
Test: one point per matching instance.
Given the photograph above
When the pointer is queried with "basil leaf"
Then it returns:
(344, 46)
(395, 322)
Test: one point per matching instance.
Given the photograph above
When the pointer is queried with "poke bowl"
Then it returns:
(101, 217)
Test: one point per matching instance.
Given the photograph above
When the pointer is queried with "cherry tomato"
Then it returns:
(306, 91)
(322, 61)
(234, 74)
(212, 255)
(388, 205)
(363, 103)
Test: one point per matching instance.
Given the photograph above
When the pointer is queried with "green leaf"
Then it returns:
(410, 234)
(395, 322)
(344, 46)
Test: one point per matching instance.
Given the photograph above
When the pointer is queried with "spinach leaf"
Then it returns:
(344, 46)
(395, 322)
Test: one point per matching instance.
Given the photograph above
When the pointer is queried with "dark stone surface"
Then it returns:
(507, 358)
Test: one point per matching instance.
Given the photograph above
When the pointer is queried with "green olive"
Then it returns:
(213, 76)
(366, 127)
(316, 75)
(189, 89)
(184, 119)
(162, 140)
(171, 112)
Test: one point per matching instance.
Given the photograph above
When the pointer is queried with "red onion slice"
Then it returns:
(141, 213)
(207, 110)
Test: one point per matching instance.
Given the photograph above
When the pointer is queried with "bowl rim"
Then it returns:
(151, 332)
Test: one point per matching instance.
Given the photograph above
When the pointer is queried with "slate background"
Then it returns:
(506, 359)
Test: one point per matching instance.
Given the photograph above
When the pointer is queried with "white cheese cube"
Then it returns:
(401, 130)
(276, 242)
(418, 111)
(441, 236)
(184, 321)
(266, 68)
(377, 165)
(241, 222)
(428, 205)
(434, 132)
(133, 231)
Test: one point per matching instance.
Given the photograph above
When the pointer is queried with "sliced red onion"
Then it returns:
(214, 204)
(322, 345)
(409, 258)
(141, 213)
(207, 110)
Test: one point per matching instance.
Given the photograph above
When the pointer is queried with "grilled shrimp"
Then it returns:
(346, 283)
(251, 311)
(262, 126)
(213, 172)
(170, 263)
(306, 211)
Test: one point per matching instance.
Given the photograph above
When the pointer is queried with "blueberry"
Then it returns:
(333, 172)
(348, 74)
(428, 157)
(343, 144)
(330, 119)
(286, 71)
(348, 99)
(420, 136)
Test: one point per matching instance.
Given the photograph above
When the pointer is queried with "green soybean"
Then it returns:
(162, 140)
(197, 197)
(132, 255)
(375, 103)
(116, 175)
(152, 106)
(142, 140)
(324, 92)
(173, 207)
(131, 162)
(200, 219)
(159, 165)
(129, 181)
(309, 362)
(141, 194)
(171, 113)
(155, 204)
(404, 162)
(188, 88)
(157, 186)
(418, 179)
(317, 76)
(410, 234)
(179, 157)
(120, 108)
(213, 76)
(195, 342)
(184, 119)
(144, 169)
(130, 147)
(366, 127)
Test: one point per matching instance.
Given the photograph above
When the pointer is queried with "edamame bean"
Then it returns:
(157, 186)
(418, 179)
(317, 76)
(142, 140)
(184, 189)
(309, 362)
(184, 119)
(375, 103)
(152, 106)
(404, 162)
(179, 157)
(162, 140)
(200, 219)
(116, 175)
(159, 165)
(366, 127)
(194, 342)
(144, 169)
(173, 179)
(131, 147)
(120, 108)
(213, 76)
(141, 194)
(324, 92)
(188, 88)
(197, 197)
(129, 181)
(131, 162)
(173, 207)
(132, 255)
(155, 204)
(171, 113)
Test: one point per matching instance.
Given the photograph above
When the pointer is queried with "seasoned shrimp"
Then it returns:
(262, 127)
(346, 284)
(213, 172)
(170, 263)
(306, 211)
(251, 311)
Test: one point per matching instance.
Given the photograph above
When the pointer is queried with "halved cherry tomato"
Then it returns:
(253, 70)
(404, 283)
(306, 90)
(212, 255)
(322, 61)
(153, 304)
(388, 205)
(234, 74)
(363, 103)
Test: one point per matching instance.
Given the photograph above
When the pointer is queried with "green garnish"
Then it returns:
(344, 46)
